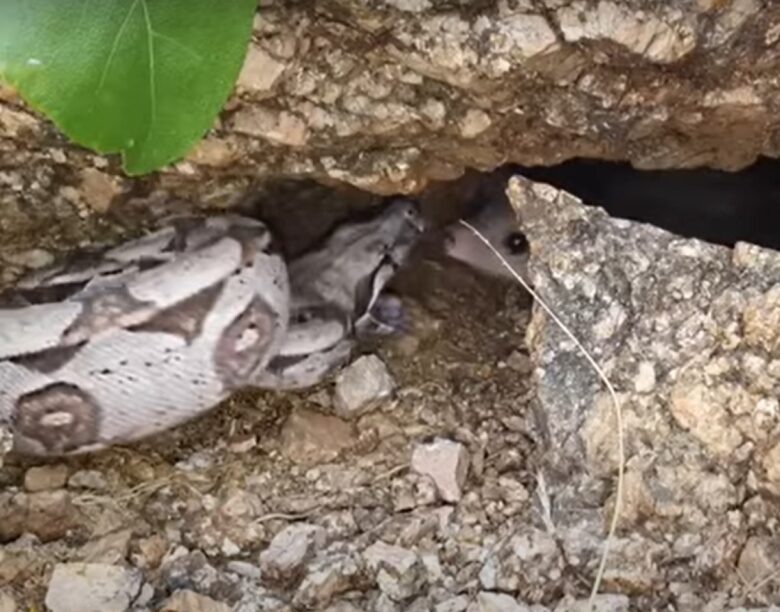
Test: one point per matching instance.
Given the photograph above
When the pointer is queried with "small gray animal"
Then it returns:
(496, 220)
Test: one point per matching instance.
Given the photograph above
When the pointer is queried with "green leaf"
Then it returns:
(142, 77)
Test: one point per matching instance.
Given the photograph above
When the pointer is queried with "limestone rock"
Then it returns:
(689, 357)
(446, 463)
(47, 514)
(328, 576)
(361, 386)
(7, 603)
(88, 479)
(92, 587)
(496, 602)
(285, 557)
(110, 549)
(447, 87)
(757, 560)
(397, 570)
(45, 477)
(190, 601)
(602, 603)
(310, 437)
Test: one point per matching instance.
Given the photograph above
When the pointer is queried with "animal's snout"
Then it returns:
(410, 210)
(414, 217)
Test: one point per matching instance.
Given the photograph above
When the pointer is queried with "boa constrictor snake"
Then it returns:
(115, 345)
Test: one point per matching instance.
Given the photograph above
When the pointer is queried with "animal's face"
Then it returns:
(496, 221)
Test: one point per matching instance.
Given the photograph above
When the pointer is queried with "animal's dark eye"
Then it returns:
(516, 243)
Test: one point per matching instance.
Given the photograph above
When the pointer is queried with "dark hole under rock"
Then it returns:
(713, 205)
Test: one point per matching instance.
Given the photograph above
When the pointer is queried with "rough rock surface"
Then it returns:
(687, 334)
(389, 95)
(446, 463)
(88, 587)
(362, 386)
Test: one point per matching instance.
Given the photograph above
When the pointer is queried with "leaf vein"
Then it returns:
(178, 44)
(150, 44)
(115, 44)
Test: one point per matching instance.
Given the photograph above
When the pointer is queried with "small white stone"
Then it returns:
(454, 604)
(88, 479)
(92, 587)
(474, 123)
(398, 570)
(145, 596)
(245, 569)
(260, 71)
(496, 602)
(361, 386)
(446, 463)
(7, 603)
(607, 602)
(32, 258)
(289, 550)
(45, 477)
(230, 548)
(645, 377)
(326, 578)
(190, 601)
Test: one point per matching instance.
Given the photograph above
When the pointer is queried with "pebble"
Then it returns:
(88, 479)
(7, 603)
(47, 514)
(362, 386)
(757, 559)
(327, 578)
(144, 597)
(198, 461)
(496, 602)
(309, 437)
(98, 189)
(242, 444)
(150, 551)
(520, 362)
(289, 550)
(45, 477)
(607, 602)
(446, 463)
(245, 569)
(32, 258)
(454, 604)
(92, 587)
(110, 549)
(343, 606)
(399, 572)
(190, 601)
